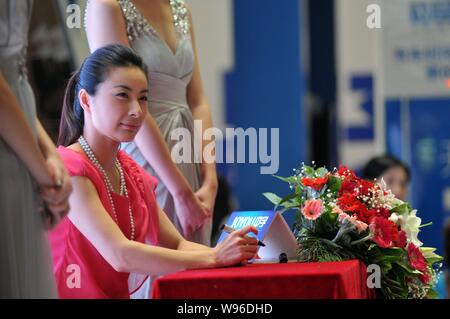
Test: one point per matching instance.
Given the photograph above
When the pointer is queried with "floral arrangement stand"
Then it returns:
(341, 217)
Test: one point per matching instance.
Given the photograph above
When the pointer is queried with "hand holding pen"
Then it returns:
(229, 230)
(237, 247)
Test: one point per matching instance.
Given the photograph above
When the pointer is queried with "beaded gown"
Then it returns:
(169, 75)
(25, 262)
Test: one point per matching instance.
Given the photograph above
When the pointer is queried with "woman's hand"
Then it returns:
(207, 196)
(56, 196)
(237, 248)
(192, 214)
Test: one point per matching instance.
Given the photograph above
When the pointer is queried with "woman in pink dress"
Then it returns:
(116, 235)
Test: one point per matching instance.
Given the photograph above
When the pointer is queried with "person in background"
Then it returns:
(394, 172)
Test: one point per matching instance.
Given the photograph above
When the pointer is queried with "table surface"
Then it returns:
(345, 279)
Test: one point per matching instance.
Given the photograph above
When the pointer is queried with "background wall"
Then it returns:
(338, 91)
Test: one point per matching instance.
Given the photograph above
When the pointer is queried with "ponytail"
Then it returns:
(72, 117)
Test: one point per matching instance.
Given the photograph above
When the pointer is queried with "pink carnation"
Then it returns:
(336, 210)
(360, 226)
(312, 209)
(343, 216)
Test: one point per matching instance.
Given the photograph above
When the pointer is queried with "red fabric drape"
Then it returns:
(346, 279)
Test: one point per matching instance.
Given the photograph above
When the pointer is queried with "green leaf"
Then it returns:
(275, 199)
(433, 260)
(309, 171)
(281, 211)
(402, 209)
(290, 179)
(287, 198)
(426, 250)
(394, 251)
(321, 171)
(387, 258)
(291, 204)
(334, 184)
(408, 269)
(298, 189)
(430, 256)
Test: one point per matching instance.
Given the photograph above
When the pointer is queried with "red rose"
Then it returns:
(365, 215)
(315, 183)
(349, 203)
(400, 241)
(383, 232)
(365, 187)
(382, 212)
(416, 259)
(425, 278)
(345, 172)
(347, 186)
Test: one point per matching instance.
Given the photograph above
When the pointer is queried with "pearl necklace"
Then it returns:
(123, 186)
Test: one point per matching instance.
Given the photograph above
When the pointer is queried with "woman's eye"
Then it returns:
(122, 94)
(144, 98)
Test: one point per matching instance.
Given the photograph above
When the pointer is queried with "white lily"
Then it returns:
(392, 201)
(388, 199)
(409, 223)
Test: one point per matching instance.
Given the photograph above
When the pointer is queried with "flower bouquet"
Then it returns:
(341, 216)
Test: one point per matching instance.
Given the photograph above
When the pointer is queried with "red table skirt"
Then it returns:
(346, 279)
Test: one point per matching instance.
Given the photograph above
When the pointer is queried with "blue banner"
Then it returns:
(265, 90)
(418, 131)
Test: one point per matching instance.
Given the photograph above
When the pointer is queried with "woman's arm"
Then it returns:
(16, 132)
(105, 25)
(39, 156)
(57, 198)
(93, 221)
(201, 111)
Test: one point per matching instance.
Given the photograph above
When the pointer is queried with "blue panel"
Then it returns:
(430, 128)
(364, 85)
(265, 91)
(394, 138)
(429, 146)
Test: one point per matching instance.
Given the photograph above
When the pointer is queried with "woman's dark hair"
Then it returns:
(92, 72)
(378, 165)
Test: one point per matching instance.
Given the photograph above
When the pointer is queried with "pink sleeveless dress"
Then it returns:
(72, 252)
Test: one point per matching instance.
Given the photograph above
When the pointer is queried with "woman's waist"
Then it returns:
(164, 88)
(163, 108)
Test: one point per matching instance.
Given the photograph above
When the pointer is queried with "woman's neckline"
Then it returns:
(156, 34)
(86, 158)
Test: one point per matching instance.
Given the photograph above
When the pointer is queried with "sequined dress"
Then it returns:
(25, 262)
(169, 75)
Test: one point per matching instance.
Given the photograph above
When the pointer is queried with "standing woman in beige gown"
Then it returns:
(30, 170)
(161, 32)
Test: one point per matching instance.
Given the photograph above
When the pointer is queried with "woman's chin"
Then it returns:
(126, 138)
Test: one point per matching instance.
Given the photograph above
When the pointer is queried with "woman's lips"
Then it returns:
(130, 127)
